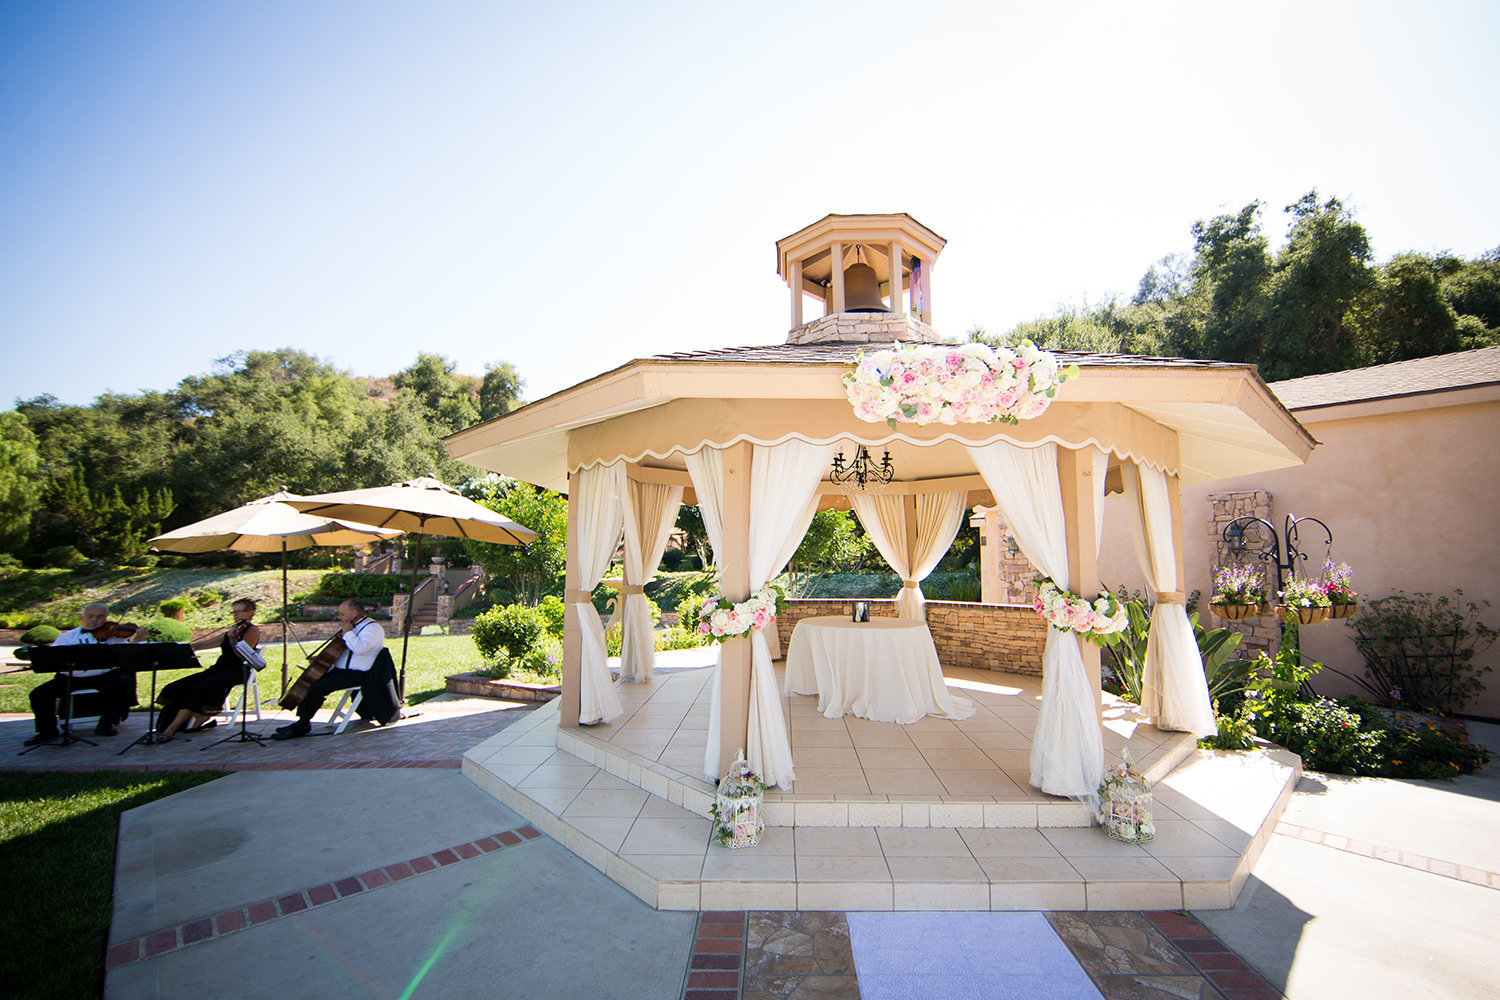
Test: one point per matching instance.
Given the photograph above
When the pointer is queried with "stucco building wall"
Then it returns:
(1410, 488)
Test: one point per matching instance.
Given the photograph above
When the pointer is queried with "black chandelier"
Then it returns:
(862, 475)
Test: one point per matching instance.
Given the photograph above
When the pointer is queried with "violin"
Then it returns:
(324, 657)
(115, 630)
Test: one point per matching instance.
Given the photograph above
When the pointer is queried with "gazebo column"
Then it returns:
(1174, 499)
(734, 578)
(1075, 470)
(572, 663)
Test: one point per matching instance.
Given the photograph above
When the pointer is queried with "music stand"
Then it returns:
(65, 660)
(254, 663)
(152, 656)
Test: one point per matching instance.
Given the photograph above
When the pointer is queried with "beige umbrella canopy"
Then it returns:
(423, 506)
(269, 525)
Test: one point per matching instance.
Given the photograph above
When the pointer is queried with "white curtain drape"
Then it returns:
(1067, 755)
(650, 512)
(1174, 689)
(783, 498)
(939, 516)
(599, 513)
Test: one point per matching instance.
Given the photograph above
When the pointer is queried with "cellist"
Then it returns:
(363, 639)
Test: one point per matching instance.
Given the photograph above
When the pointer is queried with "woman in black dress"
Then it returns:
(190, 702)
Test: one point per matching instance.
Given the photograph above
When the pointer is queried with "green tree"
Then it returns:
(1404, 313)
(690, 523)
(107, 526)
(534, 569)
(1322, 270)
(500, 390)
(1232, 264)
(20, 480)
(449, 402)
(833, 544)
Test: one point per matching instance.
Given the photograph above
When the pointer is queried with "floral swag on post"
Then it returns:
(721, 621)
(1068, 612)
(955, 383)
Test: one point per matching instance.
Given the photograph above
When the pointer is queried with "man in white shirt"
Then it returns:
(363, 639)
(116, 687)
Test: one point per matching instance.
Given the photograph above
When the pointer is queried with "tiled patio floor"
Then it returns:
(935, 815)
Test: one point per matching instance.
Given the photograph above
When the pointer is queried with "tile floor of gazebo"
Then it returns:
(934, 815)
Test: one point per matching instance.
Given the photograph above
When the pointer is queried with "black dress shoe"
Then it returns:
(39, 739)
(106, 731)
(198, 729)
(292, 731)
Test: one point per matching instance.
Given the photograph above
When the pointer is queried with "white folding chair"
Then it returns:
(344, 713)
(239, 703)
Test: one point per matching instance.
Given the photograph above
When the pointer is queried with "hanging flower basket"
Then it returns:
(1301, 615)
(1342, 610)
(736, 808)
(1237, 612)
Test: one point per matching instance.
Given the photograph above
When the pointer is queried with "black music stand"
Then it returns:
(64, 660)
(254, 664)
(152, 656)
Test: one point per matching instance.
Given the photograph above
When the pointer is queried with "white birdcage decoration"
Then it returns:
(1125, 804)
(736, 808)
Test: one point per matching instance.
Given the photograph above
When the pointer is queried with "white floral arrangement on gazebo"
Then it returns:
(1068, 612)
(720, 620)
(955, 383)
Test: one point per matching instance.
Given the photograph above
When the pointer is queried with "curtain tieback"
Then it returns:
(911, 585)
(633, 588)
(1171, 597)
(578, 596)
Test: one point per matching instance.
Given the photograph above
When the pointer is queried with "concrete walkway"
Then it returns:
(349, 867)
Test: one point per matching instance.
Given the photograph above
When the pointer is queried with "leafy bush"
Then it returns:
(510, 631)
(1236, 731)
(1329, 738)
(41, 635)
(969, 591)
(687, 612)
(554, 613)
(208, 598)
(342, 586)
(172, 608)
(680, 638)
(166, 630)
(63, 556)
(1419, 650)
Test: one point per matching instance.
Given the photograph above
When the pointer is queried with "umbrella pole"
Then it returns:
(284, 613)
(406, 626)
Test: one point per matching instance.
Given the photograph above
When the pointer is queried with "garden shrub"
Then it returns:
(361, 586)
(166, 630)
(1329, 738)
(554, 613)
(1419, 650)
(63, 556)
(41, 635)
(510, 631)
(680, 638)
(172, 608)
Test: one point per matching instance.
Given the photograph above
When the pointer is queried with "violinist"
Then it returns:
(189, 703)
(363, 639)
(116, 687)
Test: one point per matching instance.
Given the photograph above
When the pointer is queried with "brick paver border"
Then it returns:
(717, 966)
(1228, 973)
(169, 939)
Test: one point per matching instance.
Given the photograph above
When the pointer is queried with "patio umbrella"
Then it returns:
(421, 506)
(268, 525)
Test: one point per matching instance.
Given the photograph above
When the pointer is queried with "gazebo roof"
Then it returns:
(1203, 420)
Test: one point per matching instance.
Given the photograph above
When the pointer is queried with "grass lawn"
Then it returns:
(57, 865)
(429, 659)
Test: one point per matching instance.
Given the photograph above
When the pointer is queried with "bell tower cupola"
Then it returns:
(872, 275)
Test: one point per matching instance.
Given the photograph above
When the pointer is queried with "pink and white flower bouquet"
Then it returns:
(719, 620)
(1069, 612)
(955, 383)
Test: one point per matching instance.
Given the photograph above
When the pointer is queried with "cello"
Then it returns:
(324, 657)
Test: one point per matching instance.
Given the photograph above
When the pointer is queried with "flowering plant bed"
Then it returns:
(719, 620)
(955, 383)
(1068, 612)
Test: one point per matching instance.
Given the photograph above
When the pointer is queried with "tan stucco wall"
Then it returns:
(1411, 491)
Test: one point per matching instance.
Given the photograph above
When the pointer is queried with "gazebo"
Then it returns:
(749, 435)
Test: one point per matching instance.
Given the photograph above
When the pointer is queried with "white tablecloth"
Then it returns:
(885, 669)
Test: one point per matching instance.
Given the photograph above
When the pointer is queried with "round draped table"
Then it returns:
(885, 669)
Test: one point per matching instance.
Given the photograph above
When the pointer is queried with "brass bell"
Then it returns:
(862, 289)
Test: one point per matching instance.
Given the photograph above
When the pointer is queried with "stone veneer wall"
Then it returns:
(1262, 633)
(1001, 637)
(861, 328)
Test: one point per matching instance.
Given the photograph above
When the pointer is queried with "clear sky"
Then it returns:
(566, 186)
